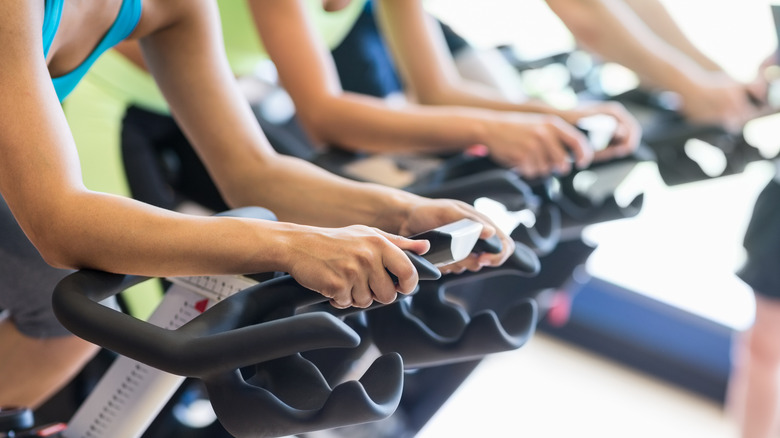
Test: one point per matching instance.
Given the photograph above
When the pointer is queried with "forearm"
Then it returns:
(222, 128)
(613, 31)
(368, 124)
(658, 19)
(463, 92)
(135, 238)
(300, 192)
(427, 66)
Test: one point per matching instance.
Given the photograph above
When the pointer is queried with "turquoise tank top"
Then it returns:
(125, 23)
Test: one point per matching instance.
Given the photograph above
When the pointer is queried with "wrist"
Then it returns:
(472, 126)
(683, 78)
(538, 107)
(397, 209)
(275, 244)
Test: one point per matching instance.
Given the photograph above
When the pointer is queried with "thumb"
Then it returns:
(488, 231)
(417, 246)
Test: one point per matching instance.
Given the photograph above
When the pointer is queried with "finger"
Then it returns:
(556, 154)
(507, 245)
(757, 95)
(544, 165)
(628, 133)
(362, 296)
(610, 153)
(415, 245)
(507, 248)
(471, 263)
(488, 228)
(576, 142)
(399, 265)
(382, 287)
(339, 296)
(465, 265)
(455, 268)
(530, 162)
(339, 304)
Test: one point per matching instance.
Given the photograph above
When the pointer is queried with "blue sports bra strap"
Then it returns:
(126, 21)
(129, 16)
(51, 22)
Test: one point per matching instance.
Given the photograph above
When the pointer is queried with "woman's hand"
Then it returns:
(768, 72)
(627, 134)
(350, 265)
(536, 145)
(718, 99)
(428, 214)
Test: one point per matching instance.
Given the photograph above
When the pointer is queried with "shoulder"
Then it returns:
(21, 41)
(158, 15)
(21, 23)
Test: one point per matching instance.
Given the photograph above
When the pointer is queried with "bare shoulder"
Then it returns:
(20, 25)
(21, 48)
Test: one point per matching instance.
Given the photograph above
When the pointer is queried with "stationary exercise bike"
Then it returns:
(683, 150)
(204, 325)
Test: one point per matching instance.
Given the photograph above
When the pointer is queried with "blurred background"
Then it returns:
(646, 351)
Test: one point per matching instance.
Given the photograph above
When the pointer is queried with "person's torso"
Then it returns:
(244, 50)
(124, 24)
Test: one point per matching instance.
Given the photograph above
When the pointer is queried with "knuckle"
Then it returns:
(407, 271)
(351, 273)
(386, 298)
(376, 239)
(362, 302)
(554, 121)
(338, 305)
(341, 299)
(541, 130)
(384, 293)
(333, 285)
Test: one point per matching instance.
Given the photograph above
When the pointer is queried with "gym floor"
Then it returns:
(550, 388)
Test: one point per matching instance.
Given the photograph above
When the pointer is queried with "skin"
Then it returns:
(33, 369)
(641, 35)
(754, 388)
(759, 86)
(446, 112)
(40, 173)
(72, 227)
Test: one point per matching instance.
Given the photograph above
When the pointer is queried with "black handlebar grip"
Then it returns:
(425, 270)
(524, 259)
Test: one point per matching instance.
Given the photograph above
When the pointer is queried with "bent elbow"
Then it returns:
(48, 242)
(315, 125)
(54, 255)
(59, 260)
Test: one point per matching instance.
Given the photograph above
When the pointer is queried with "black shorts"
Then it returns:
(762, 243)
(26, 281)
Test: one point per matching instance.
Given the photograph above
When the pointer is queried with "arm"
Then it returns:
(347, 119)
(660, 22)
(74, 227)
(429, 71)
(535, 144)
(611, 29)
(223, 130)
